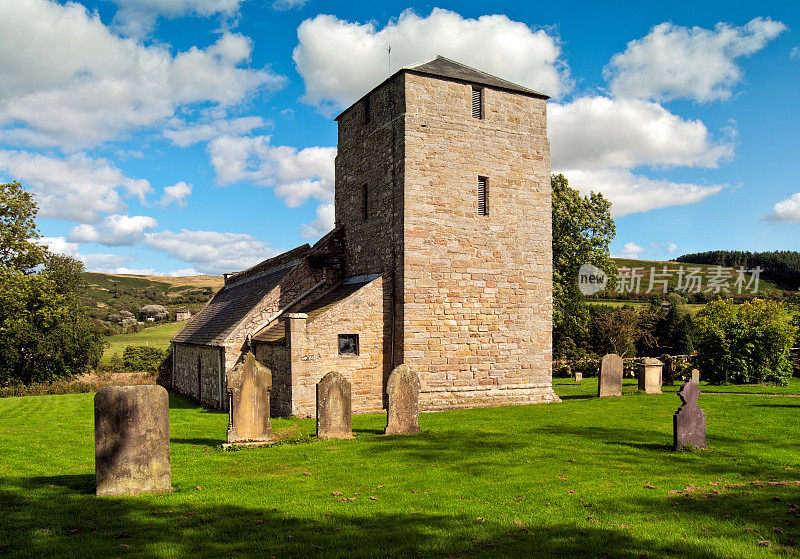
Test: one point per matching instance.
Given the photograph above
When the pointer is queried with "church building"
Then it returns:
(440, 258)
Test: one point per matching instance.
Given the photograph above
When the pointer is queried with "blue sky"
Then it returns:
(196, 136)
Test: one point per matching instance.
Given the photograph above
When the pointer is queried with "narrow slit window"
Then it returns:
(477, 102)
(483, 190)
(365, 202)
(366, 110)
(348, 344)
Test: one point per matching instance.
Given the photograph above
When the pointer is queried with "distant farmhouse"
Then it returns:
(441, 258)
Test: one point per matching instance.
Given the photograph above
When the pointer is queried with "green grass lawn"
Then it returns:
(578, 479)
(157, 336)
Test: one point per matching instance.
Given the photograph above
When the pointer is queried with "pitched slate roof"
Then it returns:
(445, 68)
(276, 331)
(228, 307)
(442, 67)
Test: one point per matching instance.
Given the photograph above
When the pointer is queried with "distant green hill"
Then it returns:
(111, 293)
(706, 273)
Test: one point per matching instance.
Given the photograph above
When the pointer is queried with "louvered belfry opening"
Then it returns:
(477, 102)
(483, 206)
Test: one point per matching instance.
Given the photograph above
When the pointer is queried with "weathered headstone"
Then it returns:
(609, 383)
(578, 377)
(249, 385)
(695, 376)
(668, 374)
(334, 413)
(650, 375)
(689, 422)
(131, 440)
(402, 416)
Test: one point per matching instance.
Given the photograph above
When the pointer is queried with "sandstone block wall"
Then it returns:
(314, 351)
(477, 289)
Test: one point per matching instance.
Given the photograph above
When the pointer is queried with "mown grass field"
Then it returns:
(157, 336)
(584, 478)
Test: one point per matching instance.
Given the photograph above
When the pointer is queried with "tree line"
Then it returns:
(779, 266)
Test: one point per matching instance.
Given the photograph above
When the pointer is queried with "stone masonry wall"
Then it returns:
(315, 352)
(371, 154)
(197, 373)
(276, 358)
(477, 289)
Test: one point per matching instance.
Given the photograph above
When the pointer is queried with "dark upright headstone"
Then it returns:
(609, 383)
(334, 413)
(668, 374)
(402, 417)
(131, 440)
(689, 422)
(249, 384)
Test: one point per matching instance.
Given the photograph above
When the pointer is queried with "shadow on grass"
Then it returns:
(198, 442)
(578, 397)
(181, 402)
(80, 483)
(66, 522)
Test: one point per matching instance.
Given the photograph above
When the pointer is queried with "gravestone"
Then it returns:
(249, 385)
(402, 417)
(131, 440)
(578, 377)
(650, 375)
(695, 376)
(689, 422)
(668, 374)
(334, 407)
(609, 382)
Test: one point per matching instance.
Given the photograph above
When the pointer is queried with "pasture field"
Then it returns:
(157, 336)
(583, 478)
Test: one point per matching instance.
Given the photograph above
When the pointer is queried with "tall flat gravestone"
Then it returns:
(610, 381)
(249, 385)
(689, 422)
(650, 375)
(402, 416)
(668, 373)
(695, 376)
(334, 412)
(131, 440)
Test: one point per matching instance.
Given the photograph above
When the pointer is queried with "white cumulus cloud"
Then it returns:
(341, 60)
(138, 17)
(210, 252)
(59, 245)
(183, 135)
(786, 210)
(283, 5)
(296, 175)
(77, 84)
(116, 230)
(78, 188)
(176, 194)
(597, 132)
(679, 62)
(631, 250)
(322, 224)
(631, 193)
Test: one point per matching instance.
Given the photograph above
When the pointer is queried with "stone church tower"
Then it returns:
(443, 179)
(441, 258)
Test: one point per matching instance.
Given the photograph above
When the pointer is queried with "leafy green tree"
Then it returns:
(582, 232)
(619, 330)
(741, 344)
(18, 233)
(45, 331)
(673, 328)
